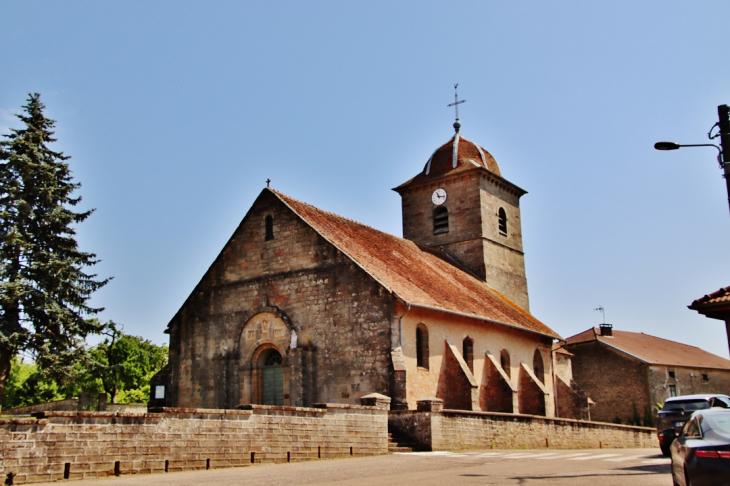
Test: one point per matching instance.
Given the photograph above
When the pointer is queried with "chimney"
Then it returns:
(606, 330)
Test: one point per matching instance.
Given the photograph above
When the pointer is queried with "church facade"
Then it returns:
(303, 306)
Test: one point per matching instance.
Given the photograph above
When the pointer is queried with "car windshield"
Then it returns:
(686, 405)
(717, 422)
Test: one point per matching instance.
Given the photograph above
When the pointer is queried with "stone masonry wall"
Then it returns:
(473, 202)
(78, 445)
(454, 387)
(328, 303)
(74, 405)
(572, 400)
(612, 380)
(68, 405)
(686, 381)
(457, 430)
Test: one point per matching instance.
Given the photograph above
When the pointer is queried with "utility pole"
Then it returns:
(723, 112)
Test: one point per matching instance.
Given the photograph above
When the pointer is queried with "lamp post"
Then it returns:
(723, 156)
(713, 305)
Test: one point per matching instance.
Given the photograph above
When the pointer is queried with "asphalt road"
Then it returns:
(625, 467)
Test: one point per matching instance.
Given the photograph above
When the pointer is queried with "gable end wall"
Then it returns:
(613, 380)
(329, 302)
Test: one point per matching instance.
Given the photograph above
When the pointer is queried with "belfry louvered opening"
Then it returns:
(440, 220)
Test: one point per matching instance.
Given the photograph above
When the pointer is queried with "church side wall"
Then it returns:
(488, 337)
(336, 347)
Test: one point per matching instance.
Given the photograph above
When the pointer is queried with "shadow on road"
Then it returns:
(652, 468)
(578, 476)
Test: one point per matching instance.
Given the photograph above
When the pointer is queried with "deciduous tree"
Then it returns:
(124, 364)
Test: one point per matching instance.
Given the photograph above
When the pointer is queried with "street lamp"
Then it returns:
(675, 146)
(707, 305)
(723, 155)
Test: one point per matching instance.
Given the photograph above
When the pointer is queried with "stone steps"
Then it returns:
(399, 443)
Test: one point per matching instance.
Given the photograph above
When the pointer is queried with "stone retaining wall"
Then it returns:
(458, 430)
(77, 445)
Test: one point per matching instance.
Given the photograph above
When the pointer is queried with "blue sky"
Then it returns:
(176, 113)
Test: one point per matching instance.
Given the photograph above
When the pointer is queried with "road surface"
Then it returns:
(597, 467)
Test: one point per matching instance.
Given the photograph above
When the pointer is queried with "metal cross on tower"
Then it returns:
(456, 104)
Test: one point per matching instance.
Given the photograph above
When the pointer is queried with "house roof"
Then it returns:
(652, 350)
(417, 275)
(715, 305)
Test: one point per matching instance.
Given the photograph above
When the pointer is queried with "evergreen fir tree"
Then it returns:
(44, 290)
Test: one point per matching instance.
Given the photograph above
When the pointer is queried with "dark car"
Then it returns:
(701, 452)
(677, 410)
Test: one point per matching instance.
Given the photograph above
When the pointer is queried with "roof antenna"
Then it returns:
(606, 329)
(603, 312)
(456, 104)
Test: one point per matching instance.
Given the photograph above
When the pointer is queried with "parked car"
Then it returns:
(677, 410)
(701, 452)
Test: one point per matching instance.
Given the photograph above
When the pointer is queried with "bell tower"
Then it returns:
(461, 205)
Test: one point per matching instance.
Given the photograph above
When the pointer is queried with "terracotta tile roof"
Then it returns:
(653, 350)
(719, 297)
(469, 156)
(416, 275)
(559, 348)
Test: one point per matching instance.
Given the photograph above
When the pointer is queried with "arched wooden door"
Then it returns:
(273, 379)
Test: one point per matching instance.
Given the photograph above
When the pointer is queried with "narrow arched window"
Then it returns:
(467, 348)
(422, 346)
(504, 361)
(502, 220)
(269, 223)
(538, 367)
(440, 220)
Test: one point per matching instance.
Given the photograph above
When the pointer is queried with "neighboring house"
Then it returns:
(620, 370)
(715, 306)
(303, 306)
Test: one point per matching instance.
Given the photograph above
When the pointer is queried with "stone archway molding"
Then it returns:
(269, 326)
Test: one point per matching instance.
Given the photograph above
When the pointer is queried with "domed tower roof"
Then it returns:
(459, 154)
(456, 155)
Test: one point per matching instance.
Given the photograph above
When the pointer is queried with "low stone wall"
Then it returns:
(77, 445)
(75, 405)
(69, 405)
(135, 408)
(458, 430)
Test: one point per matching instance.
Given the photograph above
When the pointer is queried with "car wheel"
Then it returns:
(665, 451)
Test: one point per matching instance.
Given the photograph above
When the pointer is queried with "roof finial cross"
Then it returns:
(268, 182)
(456, 104)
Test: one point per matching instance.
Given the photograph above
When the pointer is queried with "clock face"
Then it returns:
(439, 196)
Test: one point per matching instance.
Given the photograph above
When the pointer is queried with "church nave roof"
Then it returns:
(415, 274)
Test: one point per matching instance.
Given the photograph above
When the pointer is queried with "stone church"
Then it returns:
(303, 306)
